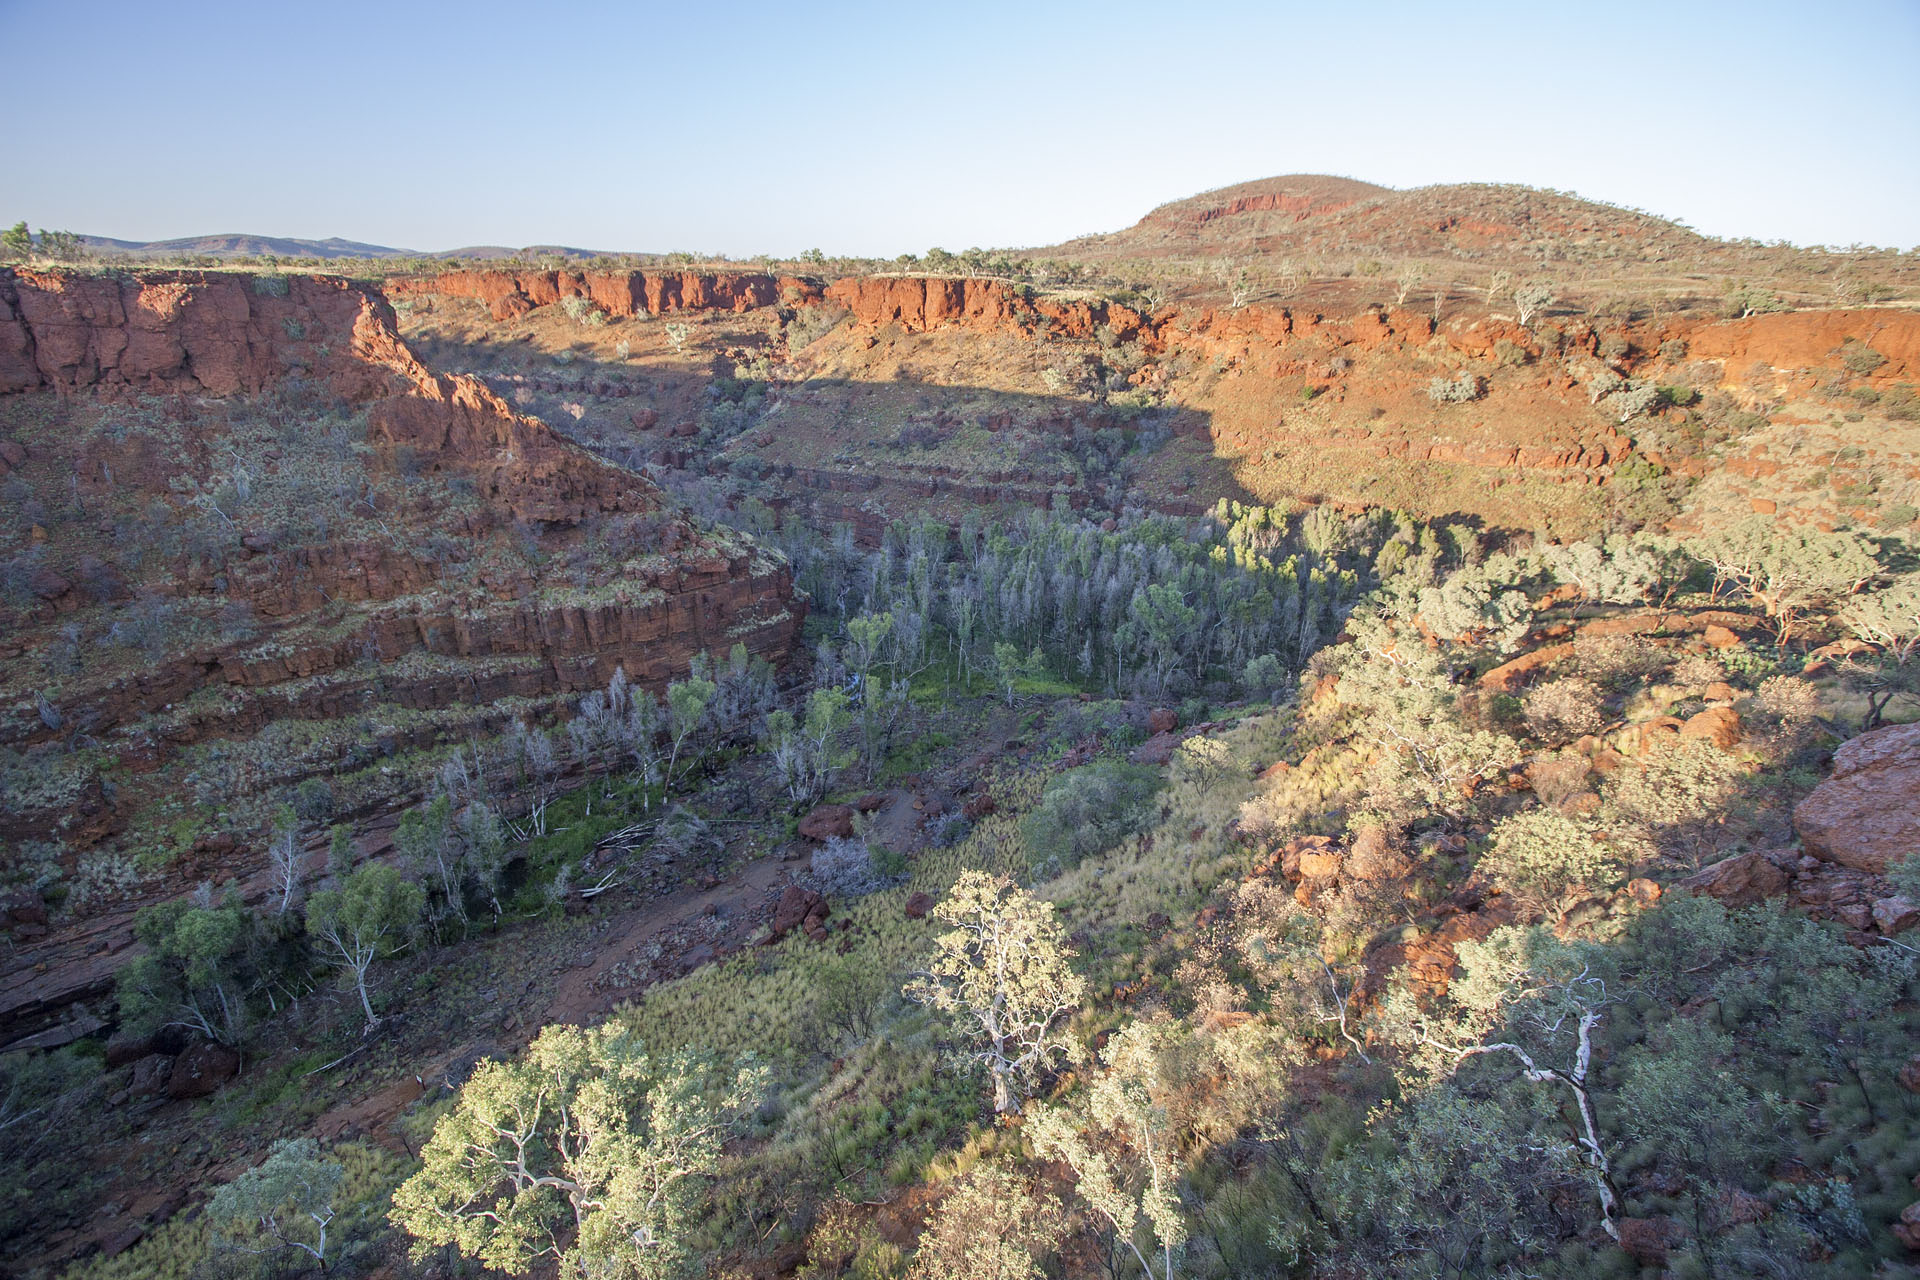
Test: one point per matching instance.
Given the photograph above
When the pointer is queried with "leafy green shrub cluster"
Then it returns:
(1086, 811)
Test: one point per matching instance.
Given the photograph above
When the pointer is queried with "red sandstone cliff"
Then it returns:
(344, 634)
(219, 334)
(510, 294)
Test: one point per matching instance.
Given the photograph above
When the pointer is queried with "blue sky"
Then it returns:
(884, 128)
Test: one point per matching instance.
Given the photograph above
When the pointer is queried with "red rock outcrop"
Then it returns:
(216, 334)
(1867, 815)
(203, 332)
(509, 294)
(919, 303)
(801, 909)
(827, 822)
(1800, 340)
(1739, 881)
(664, 593)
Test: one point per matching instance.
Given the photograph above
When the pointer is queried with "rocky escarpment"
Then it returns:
(217, 334)
(511, 294)
(1280, 402)
(919, 303)
(180, 445)
(262, 542)
(1814, 341)
(203, 333)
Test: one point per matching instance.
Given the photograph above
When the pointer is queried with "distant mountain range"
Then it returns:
(252, 246)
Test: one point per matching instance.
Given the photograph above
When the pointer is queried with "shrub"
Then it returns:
(1635, 399)
(1557, 779)
(585, 1139)
(1087, 811)
(1509, 354)
(1673, 803)
(313, 801)
(285, 1202)
(583, 311)
(1745, 300)
(1459, 389)
(847, 869)
(1697, 670)
(1787, 570)
(948, 830)
(1533, 297)
(810, 324)
(1469, 604)
(1541, 855)
(147, 625)
(1563, 709)
(1859, 358)
(1615, 662)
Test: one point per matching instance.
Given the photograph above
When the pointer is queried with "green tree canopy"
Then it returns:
(284, 1202)
(368, 917)
(1004, 967)
(196, 972)
(586, 1150)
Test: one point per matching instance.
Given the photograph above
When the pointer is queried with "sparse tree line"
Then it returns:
(212, 962)
(18, 243)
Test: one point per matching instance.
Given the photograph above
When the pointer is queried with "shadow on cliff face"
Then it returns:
(831, 450)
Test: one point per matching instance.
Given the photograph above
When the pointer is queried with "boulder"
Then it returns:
(1739, 1207)
(1319, 864)
(1896, 914)
(1718, 725)
(1719, 637)
(122, 1240)
(1162, 720)
(1741, 880)
(1721, 691)
(1294, 850)
(1156, 750)
(1510, 677)
(149, 1075)
(1867, 814)
(23, 906)
(1643, 891)
(801, 909)
(827, 821)
(645, 419)
(919, 905)
(870, 802)
(203, 1068)
(124, 1047)
(1907, 1230)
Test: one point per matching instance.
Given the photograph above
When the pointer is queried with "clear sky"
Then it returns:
(884, 128)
